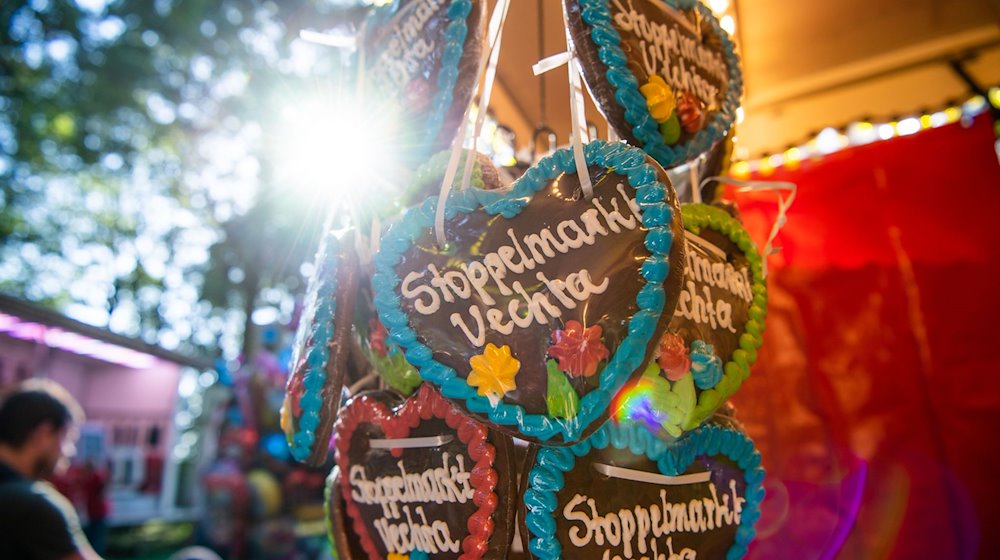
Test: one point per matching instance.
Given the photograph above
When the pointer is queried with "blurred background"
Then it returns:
(163, 172)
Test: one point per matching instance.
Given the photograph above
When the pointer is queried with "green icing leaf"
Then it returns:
(561, 399)
(688, 398)
(397, 372)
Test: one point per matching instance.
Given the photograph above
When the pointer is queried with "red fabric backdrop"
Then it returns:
(876, 395)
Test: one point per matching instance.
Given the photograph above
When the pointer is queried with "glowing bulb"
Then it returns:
(829, 141)
(908, 126)
(765, 167)
(792, 157)
(719, 7)
(728, 24)
(886, 131)
(740, 169)
(862, 133)
(974, 105)
(995, 97)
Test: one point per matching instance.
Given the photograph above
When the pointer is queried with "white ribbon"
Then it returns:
(577, 108)
(410, 443)
(489, 56)
(484, 100)
(652, 478)
(578, 136)
(613, 134)
(338, 41)
(550, 63)
(693, 180)
(784, 203)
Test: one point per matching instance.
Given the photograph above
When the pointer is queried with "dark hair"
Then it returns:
(32, 404)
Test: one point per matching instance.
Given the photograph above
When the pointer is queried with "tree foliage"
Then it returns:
(138, 182)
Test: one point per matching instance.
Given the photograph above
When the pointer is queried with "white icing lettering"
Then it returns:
(493, 274)
(678, 56)
(648, 529)
(401, 528)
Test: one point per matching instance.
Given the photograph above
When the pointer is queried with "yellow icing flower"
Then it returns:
(659, 98)
(398, 556)
(285, 416)
(493, 372)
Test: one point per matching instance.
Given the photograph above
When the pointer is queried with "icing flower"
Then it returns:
(493, 372)
(419, 555)
(377, 336)
(578, 349)
(706, 367)
(397, 556)
(659, 98)
(689, 109)
(673, 359)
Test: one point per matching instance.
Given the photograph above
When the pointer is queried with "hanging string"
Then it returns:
(693, 178)
(487, 89)
(578, 136)
(541, 53)
(493, 40)
(784, 203)
(577, 108)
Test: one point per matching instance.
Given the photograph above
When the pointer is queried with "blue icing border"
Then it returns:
(454, 48)
(597, 15)
(545, 478)
(321, 330)
(628, 357)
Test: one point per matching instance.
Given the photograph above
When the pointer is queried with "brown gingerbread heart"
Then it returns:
(419, 477)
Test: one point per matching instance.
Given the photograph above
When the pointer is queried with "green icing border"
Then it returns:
(701, 216)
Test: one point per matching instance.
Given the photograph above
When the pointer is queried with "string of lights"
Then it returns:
(831, 140)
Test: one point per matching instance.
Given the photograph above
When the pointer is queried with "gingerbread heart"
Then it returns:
(421, 62)
(422, 478)
(663, 72)
(623, 493)
(715, 332)
(321, 350)
(543, 303)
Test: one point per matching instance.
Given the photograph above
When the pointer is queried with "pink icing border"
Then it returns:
(424, 405)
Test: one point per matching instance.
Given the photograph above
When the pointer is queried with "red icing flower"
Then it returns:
(377, 337)
(674, 359)
(578, 349)
(690, 111)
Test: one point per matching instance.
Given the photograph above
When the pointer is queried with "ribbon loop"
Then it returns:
(488, 63)
(578, 136)
(784, 203)
(550, 63)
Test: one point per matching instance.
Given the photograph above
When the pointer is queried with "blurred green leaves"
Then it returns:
(136, 182)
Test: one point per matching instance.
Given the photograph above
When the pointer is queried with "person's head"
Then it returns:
(37, 423)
